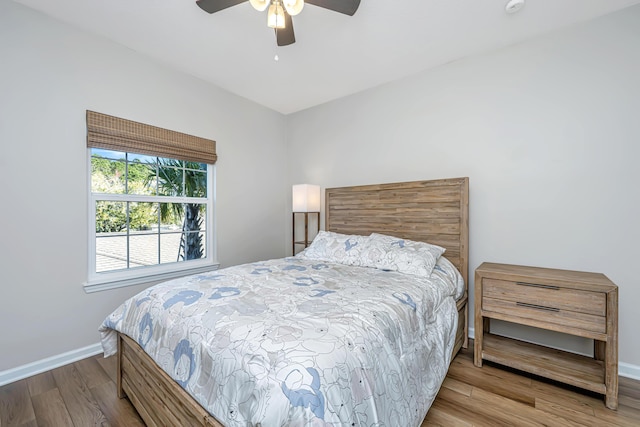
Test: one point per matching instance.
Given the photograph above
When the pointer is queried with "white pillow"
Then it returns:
(335, 247)
(396, 254)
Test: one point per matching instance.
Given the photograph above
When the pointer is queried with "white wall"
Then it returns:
(548, 132)
(50, 73)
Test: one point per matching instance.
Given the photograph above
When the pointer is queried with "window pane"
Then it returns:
(203, 216)
(143, 234)
(111, 238)
(172, 216)
(203, 239)
(168, 162)
(142, 174)
(170, 246)
(143, 216)
(193, 220)
(141, 158)
(111, 216)
(108, 154)
(170, 181)
(111, 251)
(193, 216)
(194, 245)
(193, 166)
(143, 248)
(107, 176)
(190, 222)
(195, 183)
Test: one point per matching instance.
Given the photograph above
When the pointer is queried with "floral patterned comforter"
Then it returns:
(296, 342)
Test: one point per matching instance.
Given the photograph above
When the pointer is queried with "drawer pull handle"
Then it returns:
(537, 307)
(535, 285)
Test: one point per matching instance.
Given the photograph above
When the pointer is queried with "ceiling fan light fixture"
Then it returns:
(275, 16)
(280, 12)
(260, 5)
(294, 7)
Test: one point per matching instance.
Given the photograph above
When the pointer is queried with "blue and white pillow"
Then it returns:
(335, 247)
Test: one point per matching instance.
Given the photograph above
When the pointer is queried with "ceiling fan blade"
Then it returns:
(213, 6)
(348, 7)
(285, 36)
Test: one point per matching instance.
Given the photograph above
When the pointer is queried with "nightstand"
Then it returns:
(570, 302)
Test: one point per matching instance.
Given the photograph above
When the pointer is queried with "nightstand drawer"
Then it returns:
(548, 296)
(544, 315)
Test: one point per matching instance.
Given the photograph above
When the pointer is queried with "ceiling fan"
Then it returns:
(281, 11)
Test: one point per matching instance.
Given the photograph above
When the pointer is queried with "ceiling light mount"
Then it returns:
(514, 6)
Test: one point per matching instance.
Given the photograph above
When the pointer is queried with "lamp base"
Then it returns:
(306, 240)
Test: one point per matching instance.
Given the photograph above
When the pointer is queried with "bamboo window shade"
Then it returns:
(113, 133)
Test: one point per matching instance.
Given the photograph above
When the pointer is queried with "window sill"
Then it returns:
(105, 285)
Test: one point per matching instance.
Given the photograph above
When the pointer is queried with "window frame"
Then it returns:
(100, 281)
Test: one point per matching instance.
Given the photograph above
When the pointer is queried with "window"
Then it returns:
(150, 215)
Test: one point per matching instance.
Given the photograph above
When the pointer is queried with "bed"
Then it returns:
(307, 384)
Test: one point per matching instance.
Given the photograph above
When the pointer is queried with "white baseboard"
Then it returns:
(37, 367)
(626, 370)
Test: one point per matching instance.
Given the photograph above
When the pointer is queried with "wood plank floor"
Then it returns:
(84, 394)
(494, 396)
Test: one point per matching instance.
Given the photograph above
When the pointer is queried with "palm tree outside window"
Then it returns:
(182, 178)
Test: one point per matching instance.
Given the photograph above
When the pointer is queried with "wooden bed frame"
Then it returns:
(428, 211)
(434, 211)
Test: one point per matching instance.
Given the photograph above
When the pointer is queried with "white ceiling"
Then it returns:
(334, 54)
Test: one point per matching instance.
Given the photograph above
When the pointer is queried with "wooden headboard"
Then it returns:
(428, 211)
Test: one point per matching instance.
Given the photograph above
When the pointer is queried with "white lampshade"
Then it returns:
(293, 7)
(306, 198)
(275, 16)
(260, 4)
